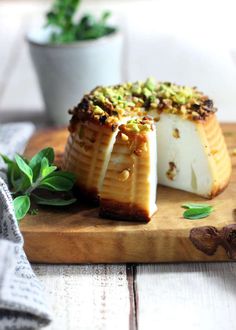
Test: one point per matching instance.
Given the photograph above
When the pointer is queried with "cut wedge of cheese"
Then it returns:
(129, 186)
(191, 151)
(192, 155)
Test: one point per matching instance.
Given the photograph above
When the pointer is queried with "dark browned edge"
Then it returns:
(131, 271)
(119, 211)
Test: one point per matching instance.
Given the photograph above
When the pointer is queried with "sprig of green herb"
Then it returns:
(30, 180)
(196, 211)
(62, 17)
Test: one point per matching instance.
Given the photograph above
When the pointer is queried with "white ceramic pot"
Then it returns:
(66, 72)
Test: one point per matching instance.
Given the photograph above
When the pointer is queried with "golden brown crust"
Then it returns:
(76, 119)
(122, 211)
(83, 112)
(218, 154)
(218, 189)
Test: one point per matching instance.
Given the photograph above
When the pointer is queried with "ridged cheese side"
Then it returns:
(211, 134)
(87, 154)
(137, 193)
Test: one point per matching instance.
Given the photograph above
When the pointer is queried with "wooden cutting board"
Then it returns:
(77, 235)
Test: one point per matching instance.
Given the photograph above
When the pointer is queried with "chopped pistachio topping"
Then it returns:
(112, 103)
(139, 125)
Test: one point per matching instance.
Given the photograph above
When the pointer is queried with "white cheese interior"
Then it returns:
(108, 154)
(188, 152)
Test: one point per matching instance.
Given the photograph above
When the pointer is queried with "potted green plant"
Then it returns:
(72, 56)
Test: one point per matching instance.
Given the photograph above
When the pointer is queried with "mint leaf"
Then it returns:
(13, 174)
(7, 160)
(45, 169)
(44, 153)
(64, 174)
(21, 206)
(43, 165)
(21, 185)
(197, 213)
(24, 167)
(57, 183)
(35, 162)
(194, 206)
(54, 201)
(197, 216)
(25, 177)
(62, 16)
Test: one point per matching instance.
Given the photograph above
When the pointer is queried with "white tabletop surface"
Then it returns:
(161, 296)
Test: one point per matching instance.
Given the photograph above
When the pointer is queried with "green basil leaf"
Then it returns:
(47, 153)
(197, 213)
(54, 201)
(21, 206)
(24, 167)
(56, 183)
(194, 206)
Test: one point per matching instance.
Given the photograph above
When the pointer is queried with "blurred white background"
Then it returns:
(188, 42)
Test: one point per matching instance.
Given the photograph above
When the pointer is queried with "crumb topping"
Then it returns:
(138, 125)
(108, 105)
(134, 134)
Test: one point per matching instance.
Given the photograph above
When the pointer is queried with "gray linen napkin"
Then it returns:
(22, 302)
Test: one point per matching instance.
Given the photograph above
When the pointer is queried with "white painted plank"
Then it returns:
(18, 84)
(22, 90)
(7, 44)
(87, 297)
(187, 296)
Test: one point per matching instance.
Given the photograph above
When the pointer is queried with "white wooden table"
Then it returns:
(161, 296)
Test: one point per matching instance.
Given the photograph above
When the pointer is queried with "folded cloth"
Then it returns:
(22, 302)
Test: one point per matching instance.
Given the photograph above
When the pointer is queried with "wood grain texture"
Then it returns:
(187, 297)
(78, 235)
(87, 297)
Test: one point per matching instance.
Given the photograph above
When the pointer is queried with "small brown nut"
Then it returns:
(214, 151)
(176, 133)
(156, 119)
(172, 171)
(124, 175)
(234, 152)
(124, 137)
